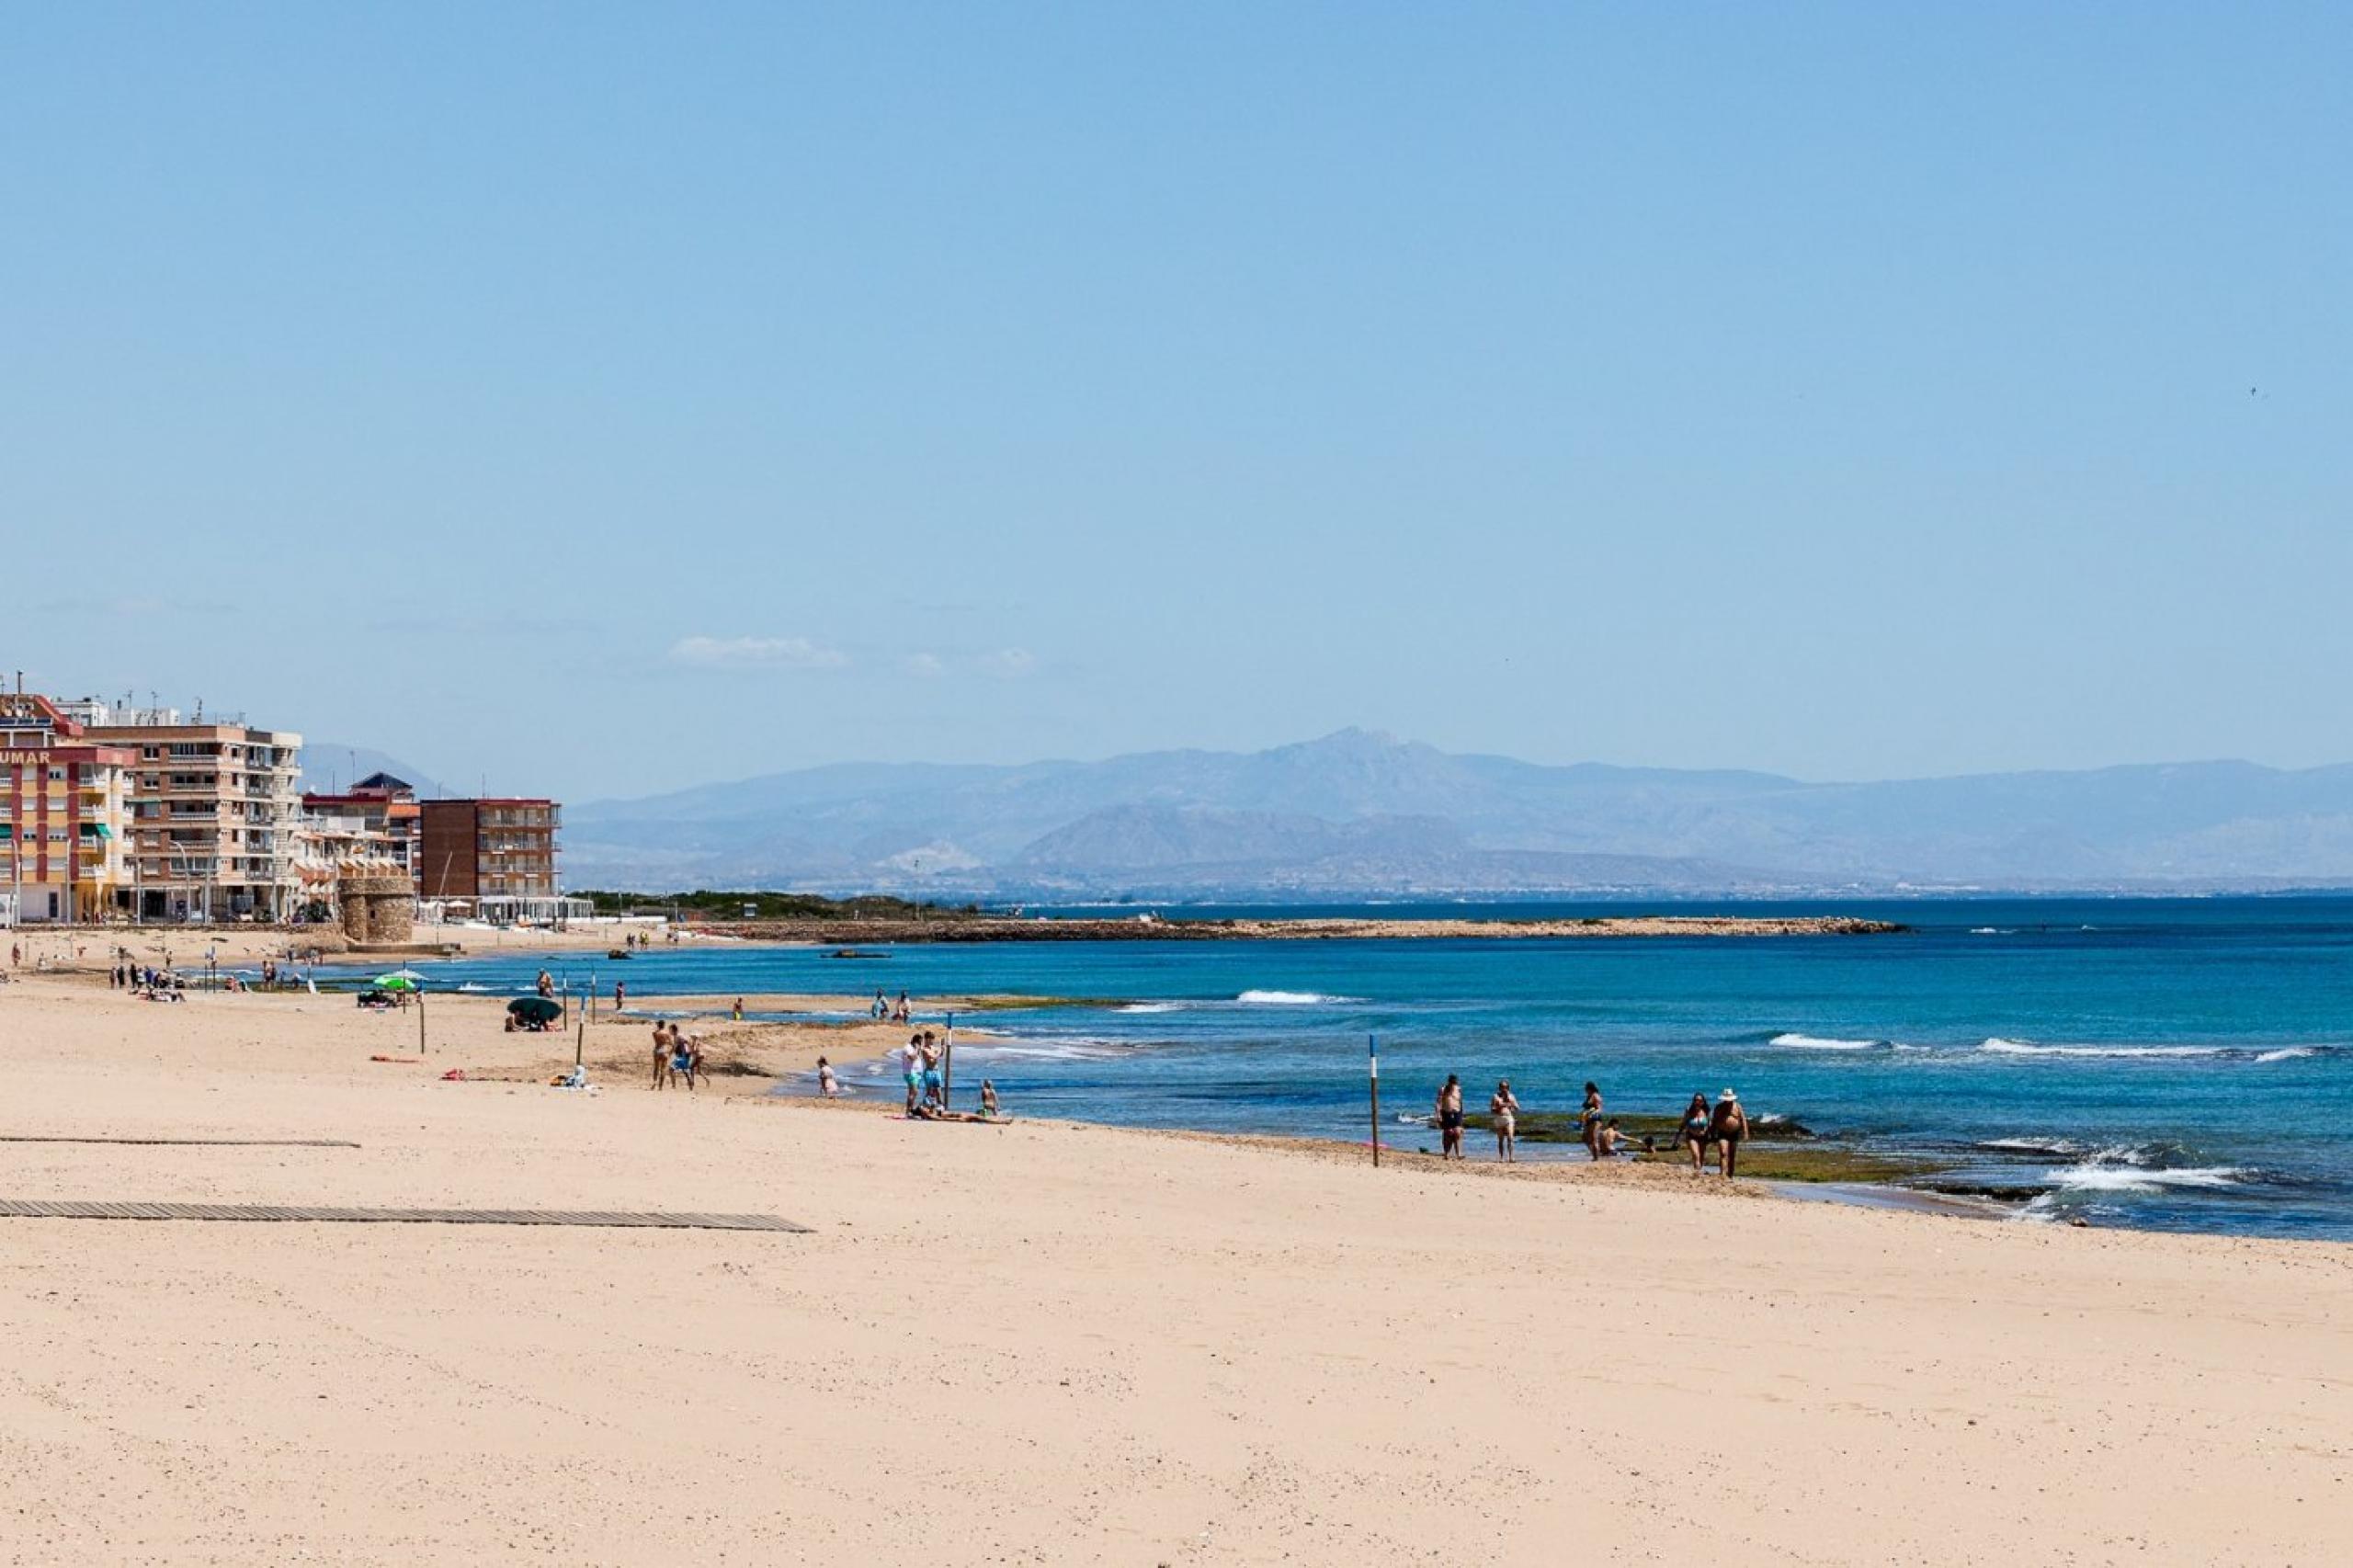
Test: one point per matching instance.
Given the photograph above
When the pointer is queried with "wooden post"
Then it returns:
(1372, 1056)
(420, 1021)
(580, 1039)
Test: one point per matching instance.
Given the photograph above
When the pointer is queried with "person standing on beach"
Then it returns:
(661, 1050)
(1504, 1106)
(1728, 1127)
(1450, 1119)
(935, 1088)
(621, 996)
(1694, 1131)
(911, 1063)
(1592, 1120)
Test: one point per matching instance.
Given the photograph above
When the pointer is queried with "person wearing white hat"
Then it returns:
(1726, 1128)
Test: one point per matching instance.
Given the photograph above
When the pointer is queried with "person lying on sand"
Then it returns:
(1727, 1127)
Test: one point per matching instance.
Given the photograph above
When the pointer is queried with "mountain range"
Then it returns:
(1359, 813)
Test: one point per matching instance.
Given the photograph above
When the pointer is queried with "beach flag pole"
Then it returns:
(948, 1065)
(1373, 1059)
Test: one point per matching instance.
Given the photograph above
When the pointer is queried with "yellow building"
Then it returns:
(64, 807)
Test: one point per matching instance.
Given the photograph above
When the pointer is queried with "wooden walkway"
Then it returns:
(73, 1208)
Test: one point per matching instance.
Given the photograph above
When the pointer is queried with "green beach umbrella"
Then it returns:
(395, 982)
(535, 1009)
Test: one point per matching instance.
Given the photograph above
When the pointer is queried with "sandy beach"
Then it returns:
(1048, 1343)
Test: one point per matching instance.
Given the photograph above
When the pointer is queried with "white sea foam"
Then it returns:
(2099, 1176)
(2288, 1054)
(2023, 1048)
(1153, 1007)
(1288, 998)
(1993, 930)
(2033, 1145)
(1816, 1042)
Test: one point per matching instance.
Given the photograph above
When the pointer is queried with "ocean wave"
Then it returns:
(2099, 1175)
(1816, 1042)
(1993, 930)
(2032, 1145)
(2026, 1048)
(1076, 1049)
(1151, 1007)
(2288, 1054)
(1290, 998)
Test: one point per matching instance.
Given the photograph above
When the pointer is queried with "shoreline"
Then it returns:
(1123, 1345)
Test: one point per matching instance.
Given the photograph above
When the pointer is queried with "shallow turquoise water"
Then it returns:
(2178, 1063)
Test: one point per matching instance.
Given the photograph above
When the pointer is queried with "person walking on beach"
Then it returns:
(738, 1014)
(1591, 1119)
(988, 1100)
(621, 996)
(1694, 1131)
(911, 1063)
(1504, 1106)
(882, 1008)
(1450, 1119)
(903, 1016)
(661, 1050)
(546, 984)
(1728, 1127)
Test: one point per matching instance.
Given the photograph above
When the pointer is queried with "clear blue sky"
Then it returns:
(601, 399)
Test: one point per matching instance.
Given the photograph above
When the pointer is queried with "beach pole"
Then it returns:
(948, 1065)
(420, 1020)
(1372, 1056)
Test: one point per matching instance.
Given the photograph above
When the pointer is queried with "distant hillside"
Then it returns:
(1356, 812)
(330, 765)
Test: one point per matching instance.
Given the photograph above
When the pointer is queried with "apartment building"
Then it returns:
(64, 806)
(213, 813)
(488, 848)
(383, 805)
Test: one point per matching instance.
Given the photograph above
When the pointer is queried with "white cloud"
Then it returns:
(748, 653)
(924, 665)
(1009, 662)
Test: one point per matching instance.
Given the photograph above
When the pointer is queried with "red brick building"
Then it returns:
(487, 848)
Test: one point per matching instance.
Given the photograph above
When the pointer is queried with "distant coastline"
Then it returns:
(849, 933)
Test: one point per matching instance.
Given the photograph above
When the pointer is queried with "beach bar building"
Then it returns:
(213, 813)
(501, 849)
(64, 805)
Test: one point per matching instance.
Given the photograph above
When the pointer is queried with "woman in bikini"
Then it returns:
(1694, 1132)
(1592, 1121)
(1728, 1127)
(1504, 1106)
(1450, 1119)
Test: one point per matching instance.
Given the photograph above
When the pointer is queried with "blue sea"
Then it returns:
(2181, 1064)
